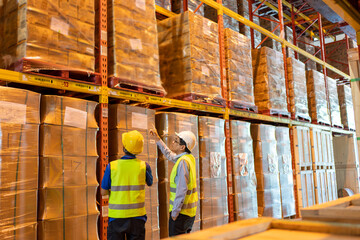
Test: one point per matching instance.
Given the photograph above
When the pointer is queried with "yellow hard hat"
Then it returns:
(133, 142)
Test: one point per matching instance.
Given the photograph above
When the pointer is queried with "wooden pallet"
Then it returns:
(197, 98)
(331, 184)
(276, 113)
(243, 107)
(321, 149)
(337, 126)
(320, 184)
(134, 86)
(320, 123)
(301, 117)
(47, 69)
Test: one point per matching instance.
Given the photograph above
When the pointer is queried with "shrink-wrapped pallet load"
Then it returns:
(164, 4)
(239, 73)
(267, 170)
(290, 38)
(213, 183)
(133, 45)
(243, 10)
(167, 125)
(178, 6)
(307, 45)
(269, 81)
(67, 180)
(244, 178)
(286, 171)
(316, 92)
(189, 68)
(54, 35)
(229, 22)
(19, 158)
(125, 118)
(297, 89)
(271, 25)
(334, 102)
(346, 107)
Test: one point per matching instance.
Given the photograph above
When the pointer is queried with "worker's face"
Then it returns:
(175, 145)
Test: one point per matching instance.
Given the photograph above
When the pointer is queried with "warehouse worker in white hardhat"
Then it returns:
(183, 189)
(124, 180)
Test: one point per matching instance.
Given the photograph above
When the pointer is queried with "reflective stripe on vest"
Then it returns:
(189, 206)
(127, 195)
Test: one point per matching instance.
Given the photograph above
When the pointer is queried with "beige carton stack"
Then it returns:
(190, 68)
(167, 125)
(334, 102)
(178, 6)
(58, 33)
(286, 171)
(19, 156)
(67, 184)
(297, 89)
(239, 73)
(243, 10)
(273, 27)
(304, 43)
(213, 184)
(269, 81)
(244, 177)
(133, 44)
(124, 118)
(267, 170)
(318, 106)
(346, 107)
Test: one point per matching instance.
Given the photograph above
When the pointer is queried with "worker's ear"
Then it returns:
(182, 147)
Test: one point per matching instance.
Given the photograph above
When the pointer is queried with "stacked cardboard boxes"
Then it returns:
(267, 170)
(188, 66)
(286, 171)
(19, 156)
(271, 25)
(290, 38)
(125, 118)
(133, 47)
(239, 71)
(334, 102)
(67, 184)
(213, 183)
(317, 97)
(243, 171)
(229, 22)
(243, 10)
(58, 32)
(178, 6)
(269, 80)
(297, 89)
(305, 44)
(167, 125)
(346, 107)
(164, 4)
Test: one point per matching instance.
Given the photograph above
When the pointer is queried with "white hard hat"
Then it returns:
(189, 138)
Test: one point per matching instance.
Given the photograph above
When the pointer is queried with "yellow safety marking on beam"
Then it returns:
(164, 11)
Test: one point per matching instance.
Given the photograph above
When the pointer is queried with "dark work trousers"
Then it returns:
(182, 224)
(133, 229)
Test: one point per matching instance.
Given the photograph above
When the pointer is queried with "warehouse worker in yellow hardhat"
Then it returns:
(183, 189)
(124, 180)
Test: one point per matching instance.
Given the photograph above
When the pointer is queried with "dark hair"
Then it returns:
(183, 143)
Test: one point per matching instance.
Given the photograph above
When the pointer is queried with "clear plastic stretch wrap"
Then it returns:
(267, 170)
(164, 4)
(67, 180)
(239, 71)
(305, 44)
(334, 102)
(317, 97)
(178, 6)
(58, 34)
(213, 183)
(243, 10)
(346, 106)
(229, 22)
(124, 118)
(133, 44)
(290, 38)
(269, 80)
(273, 27)
(297, 88)
(19, 157)
(167, 125)
(188, 66)
(244, 177)
(286, 172)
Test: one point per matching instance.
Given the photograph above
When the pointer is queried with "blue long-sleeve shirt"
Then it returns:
(106, 181)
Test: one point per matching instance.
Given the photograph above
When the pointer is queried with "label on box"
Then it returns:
(152, 141)
(12, 112)
(75, 118)
(215, 164)
(59, 26)
(272, 163)
(139, 120)
(243, 160)
(213, 131)
(184, 126)
(136, 44)
(205, 70)
(140, 4)
(206, 27)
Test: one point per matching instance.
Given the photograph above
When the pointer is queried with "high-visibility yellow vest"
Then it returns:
(191, 198)
(127, 196)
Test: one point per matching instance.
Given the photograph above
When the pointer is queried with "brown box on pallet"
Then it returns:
(214, 221)
(74, 227)
(239, 71)
(334, 102)
(306, 44)
(346, 106)
(273, 27)
(269, 80)
(178, 6)
(229, 22)
(317, 97)
(290, 38)
(297, 88)
(337, 56)
(23, 231)
(181, 49)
